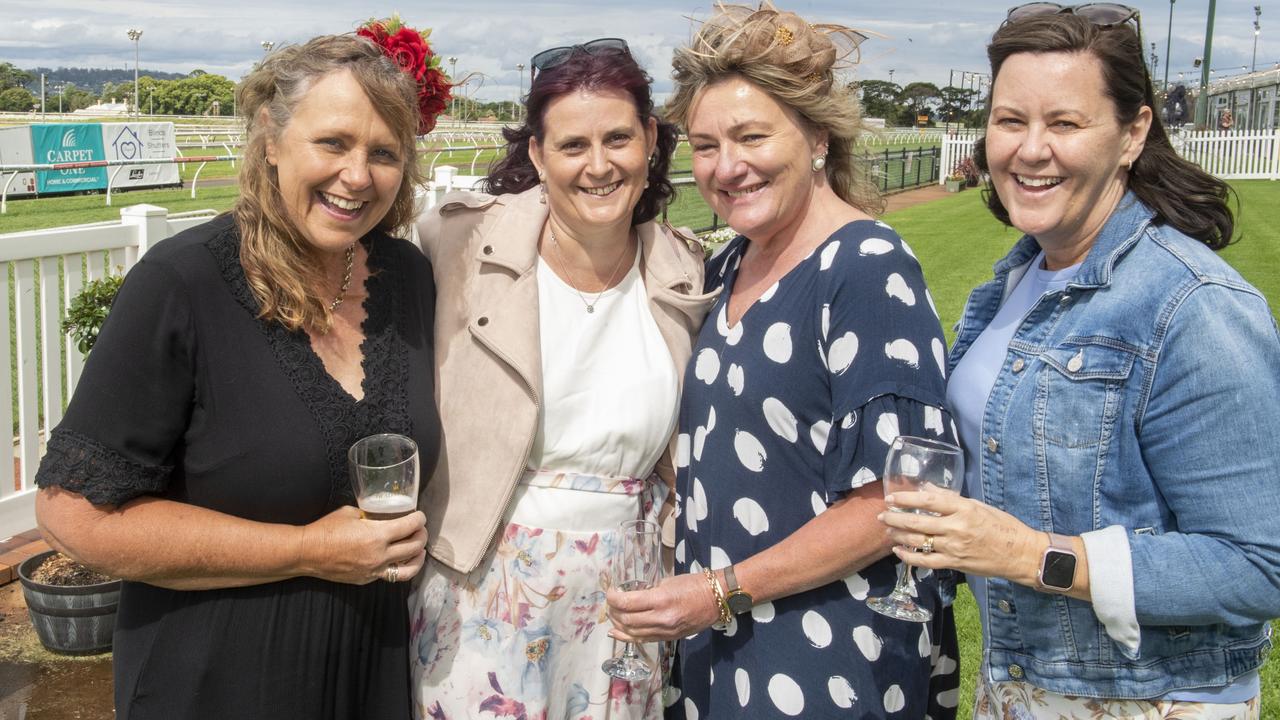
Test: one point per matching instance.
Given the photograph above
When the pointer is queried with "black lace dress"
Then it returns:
(188, 396)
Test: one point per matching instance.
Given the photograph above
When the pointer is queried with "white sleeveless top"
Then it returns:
(609, 384)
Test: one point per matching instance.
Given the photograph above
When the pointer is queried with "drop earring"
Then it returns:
(542, 188)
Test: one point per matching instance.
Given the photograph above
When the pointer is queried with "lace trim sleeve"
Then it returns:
(101, 474)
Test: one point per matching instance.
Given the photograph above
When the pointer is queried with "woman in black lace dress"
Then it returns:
(202, 457)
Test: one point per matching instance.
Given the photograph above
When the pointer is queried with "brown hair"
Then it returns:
(279, 263)
(582, 70)
(1182, 195)
(793, 62)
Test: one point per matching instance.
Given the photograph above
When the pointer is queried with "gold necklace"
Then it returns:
(346, 278)
(591, 306)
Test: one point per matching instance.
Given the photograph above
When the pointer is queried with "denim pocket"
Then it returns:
(1078, 397)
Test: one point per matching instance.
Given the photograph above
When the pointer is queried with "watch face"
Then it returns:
(1059, 570)
(739, 602)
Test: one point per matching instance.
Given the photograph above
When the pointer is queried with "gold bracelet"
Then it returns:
(726, 615)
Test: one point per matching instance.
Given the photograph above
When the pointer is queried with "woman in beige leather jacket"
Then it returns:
(565, 316)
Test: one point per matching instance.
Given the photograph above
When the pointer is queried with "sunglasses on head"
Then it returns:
(1100, 14)
(550, 58)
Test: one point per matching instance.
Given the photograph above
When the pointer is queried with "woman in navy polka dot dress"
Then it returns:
(824, 346)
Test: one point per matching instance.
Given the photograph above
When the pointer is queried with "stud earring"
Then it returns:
(819, 163)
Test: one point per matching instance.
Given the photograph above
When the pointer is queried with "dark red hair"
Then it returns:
(608, 70)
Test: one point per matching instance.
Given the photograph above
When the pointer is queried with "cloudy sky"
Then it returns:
(923, 39)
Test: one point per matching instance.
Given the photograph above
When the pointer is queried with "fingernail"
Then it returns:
(888, 499)
(880, 517)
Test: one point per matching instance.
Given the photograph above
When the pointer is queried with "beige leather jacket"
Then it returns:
(488, 361)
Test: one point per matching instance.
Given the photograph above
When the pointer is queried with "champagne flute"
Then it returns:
(635, 568)
(915, 464)
(384, 475)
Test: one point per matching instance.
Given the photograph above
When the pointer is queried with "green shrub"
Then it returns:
(88, 310)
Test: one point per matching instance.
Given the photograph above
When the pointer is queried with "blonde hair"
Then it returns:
(279, 263)
(795, 63)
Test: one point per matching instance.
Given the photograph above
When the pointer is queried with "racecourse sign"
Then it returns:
(69, 144)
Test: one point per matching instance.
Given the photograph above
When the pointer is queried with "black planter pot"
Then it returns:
(72, 620)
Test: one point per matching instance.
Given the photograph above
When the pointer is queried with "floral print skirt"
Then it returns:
(1024, 701)
(524, 634)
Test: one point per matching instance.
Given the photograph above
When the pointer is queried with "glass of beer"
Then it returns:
(384, 475)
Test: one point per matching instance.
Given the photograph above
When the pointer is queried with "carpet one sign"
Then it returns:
(56, 144)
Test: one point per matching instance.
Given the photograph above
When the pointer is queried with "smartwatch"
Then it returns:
(738, 600)
(1057, 565)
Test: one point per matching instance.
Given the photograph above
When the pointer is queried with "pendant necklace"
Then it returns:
(591, 306)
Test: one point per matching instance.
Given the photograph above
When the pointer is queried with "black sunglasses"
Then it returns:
(1100, 14)
(550, 58)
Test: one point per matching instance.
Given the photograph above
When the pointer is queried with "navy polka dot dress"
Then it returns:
(782, 415)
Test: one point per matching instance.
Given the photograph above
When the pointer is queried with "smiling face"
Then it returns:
(339, 164)
(752, 158)
(1056, 151)
(594, 157)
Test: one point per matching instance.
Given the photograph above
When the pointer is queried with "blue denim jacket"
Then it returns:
(1143, 399)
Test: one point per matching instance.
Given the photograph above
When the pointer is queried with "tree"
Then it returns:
(16, 99)
(73, 98)
(12, 77)
(955, 103)
(880, 99)
(920, 98)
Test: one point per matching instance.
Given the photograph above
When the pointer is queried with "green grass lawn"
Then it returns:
(957, 242)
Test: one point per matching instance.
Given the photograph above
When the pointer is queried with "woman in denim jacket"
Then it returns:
(1117, 387)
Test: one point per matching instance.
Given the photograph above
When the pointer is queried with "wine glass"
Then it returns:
(384, 475)
(915, 464)
(635, 568)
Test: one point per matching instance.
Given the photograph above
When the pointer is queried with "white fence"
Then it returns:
(1226, 154)
(40, 271)
(44, 269)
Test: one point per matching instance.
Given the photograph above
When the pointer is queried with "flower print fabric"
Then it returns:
(541, 600)
(783, 414)
(1024, 701)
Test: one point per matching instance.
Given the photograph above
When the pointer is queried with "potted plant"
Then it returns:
(955, 182)
(88, 310)
(72, 608)
(967, 172)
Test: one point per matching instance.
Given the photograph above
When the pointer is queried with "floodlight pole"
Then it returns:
(1202, 99)
(136, 37)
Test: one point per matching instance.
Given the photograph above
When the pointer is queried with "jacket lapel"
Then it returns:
(506, 293)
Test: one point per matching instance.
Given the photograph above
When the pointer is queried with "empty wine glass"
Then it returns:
(915, 464)
(635, 568)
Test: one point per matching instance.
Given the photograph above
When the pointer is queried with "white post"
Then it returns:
(444, 177)
(153, 226)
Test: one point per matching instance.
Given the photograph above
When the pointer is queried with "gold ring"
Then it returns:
(393, 573)
(927, 547)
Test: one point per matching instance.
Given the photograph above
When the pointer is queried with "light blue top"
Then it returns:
(970, 384)
(1138, 406)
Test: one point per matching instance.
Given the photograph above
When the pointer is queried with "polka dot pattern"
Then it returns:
(783, 414)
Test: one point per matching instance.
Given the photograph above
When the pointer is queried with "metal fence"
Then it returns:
(891, 171)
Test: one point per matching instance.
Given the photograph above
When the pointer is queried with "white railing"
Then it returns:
(44, 269)
(1225, 154)
(40, 271)
(955, 148)
(1233, 154)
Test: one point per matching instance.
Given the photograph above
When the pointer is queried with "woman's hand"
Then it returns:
(344, 547)
(968, 536)
(679, 606)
